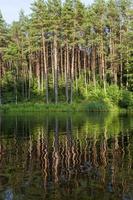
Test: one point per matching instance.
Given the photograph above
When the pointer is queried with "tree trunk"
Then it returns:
(85, 74)
(79, 63)
(15, 85)
(103, 67)
(30, 77)
(55, 69)
(76, 72)
(45, 66)
(121, 62)
(72, 74)
(67, 72)
(93, 66)
(0, 83)
(52, 64)
(61, 62)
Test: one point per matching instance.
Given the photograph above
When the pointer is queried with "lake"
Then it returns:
(60, 156)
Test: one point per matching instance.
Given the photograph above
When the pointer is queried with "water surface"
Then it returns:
(66, 156)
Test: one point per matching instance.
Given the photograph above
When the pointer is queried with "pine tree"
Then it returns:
(40, 24)
(54, 10)
(60, 49)
(3, 43)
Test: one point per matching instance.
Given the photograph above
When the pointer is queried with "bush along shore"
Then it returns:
(96, 101)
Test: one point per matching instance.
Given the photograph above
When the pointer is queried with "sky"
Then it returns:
(10, 8)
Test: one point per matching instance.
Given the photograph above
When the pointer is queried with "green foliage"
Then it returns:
(126, 100)
(114, 94)
(98, 106)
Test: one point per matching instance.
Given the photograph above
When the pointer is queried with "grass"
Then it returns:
(39, 107)
(96, 106)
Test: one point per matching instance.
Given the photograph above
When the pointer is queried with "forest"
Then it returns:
(67, 52)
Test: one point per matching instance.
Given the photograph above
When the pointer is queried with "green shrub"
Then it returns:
(114, 94)
(126, 100)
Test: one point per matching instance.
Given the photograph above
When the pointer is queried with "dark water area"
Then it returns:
(61, 156)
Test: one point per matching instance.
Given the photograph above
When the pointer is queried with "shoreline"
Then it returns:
(62, 107)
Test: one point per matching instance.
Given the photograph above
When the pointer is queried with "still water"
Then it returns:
(66, 156)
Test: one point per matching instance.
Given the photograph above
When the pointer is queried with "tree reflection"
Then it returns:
(63, 155)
